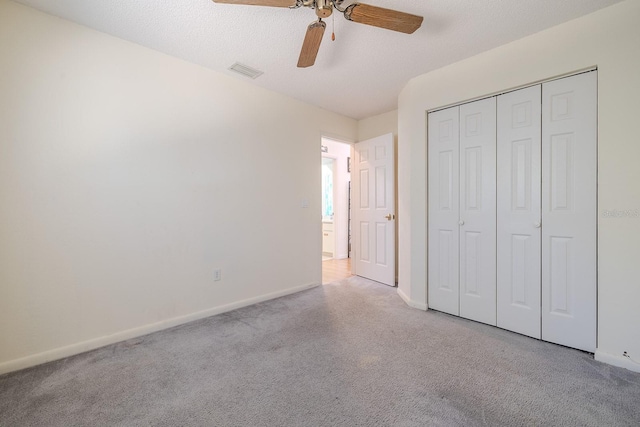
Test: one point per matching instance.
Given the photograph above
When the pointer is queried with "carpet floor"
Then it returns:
(350, 353)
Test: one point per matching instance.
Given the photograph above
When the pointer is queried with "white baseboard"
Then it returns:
(92, 344)
(614, 360)
(410, 302)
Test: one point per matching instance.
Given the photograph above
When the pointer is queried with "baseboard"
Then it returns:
(410, 302)
(81, 347)
(614, 360)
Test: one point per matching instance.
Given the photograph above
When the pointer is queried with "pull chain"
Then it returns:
(333, 25)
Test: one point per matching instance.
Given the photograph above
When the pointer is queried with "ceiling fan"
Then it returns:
(356, 12)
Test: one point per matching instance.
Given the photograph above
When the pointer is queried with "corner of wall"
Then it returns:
(381, 124)
(619, 361)
(410, 302)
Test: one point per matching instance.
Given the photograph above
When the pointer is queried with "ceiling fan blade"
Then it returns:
(383, 18)
(311, 44)
(273, 3)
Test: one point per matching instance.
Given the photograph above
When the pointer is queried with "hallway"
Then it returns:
(335, 269)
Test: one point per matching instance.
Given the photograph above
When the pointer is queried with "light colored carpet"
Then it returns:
(350, 353)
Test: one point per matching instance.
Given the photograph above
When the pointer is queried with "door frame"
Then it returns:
(336, 159)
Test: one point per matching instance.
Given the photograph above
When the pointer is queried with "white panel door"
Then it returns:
(443, 199)
(569, 174)
(519, 211)
(477, 220)
(374, 209)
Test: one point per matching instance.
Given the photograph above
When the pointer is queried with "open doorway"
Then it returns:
(336, 224)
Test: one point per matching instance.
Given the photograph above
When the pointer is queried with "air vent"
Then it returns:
(245, 70)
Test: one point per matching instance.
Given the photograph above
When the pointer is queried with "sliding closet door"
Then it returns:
(519, 211)
(443, 153)
(478, 211)
(569, 173)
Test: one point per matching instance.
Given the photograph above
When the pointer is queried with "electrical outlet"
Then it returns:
(217, 275)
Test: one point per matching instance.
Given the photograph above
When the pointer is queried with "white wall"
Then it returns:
(381, 124)
(340, 152)
(608, 39)
(127, 176)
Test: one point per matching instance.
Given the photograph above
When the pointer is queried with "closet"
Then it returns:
(512, 210)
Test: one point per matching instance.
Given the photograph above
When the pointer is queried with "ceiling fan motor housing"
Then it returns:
(357, 12)
(324, 8)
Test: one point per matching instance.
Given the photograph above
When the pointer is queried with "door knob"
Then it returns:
(390, 217)
(461, 222)
(537, 224)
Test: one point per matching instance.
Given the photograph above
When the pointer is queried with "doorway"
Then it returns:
(336, 226)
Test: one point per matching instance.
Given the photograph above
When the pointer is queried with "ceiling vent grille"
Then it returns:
(245, 70)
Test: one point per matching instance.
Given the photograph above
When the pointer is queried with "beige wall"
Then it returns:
(381, 124)
(127, 177)
(608, 39)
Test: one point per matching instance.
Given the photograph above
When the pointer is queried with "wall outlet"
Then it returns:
(217, 275)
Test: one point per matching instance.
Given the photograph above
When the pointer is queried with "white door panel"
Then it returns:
(374, 209)
(477, 219)
(512, 211)
(569, 180)
(519, 211)
(443, 199)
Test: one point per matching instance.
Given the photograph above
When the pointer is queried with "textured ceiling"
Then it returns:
(358, 75)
